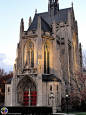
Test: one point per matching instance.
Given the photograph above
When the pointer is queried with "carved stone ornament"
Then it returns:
(42, 39)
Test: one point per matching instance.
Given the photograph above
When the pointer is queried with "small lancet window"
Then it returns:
(50, 87)
(57, 87)
(8, 89)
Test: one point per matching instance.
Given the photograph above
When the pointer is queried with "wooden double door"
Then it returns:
(30, 98)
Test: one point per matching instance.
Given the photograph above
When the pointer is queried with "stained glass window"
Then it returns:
(30, 52)
(48, 62)
(46, 57)
(29, 56)
(44, 61)
(32, 58)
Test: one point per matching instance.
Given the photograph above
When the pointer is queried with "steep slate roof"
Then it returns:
(34, 24)
(50, 77)
(44, 25)
(62, 15)
(9, 80)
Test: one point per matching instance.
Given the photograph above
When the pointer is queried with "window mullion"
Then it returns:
(46, 61)
(30, 57)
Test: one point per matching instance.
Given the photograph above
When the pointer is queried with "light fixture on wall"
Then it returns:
(52, 99)
(51, 95)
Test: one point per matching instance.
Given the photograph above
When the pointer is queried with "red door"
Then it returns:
(26, 98)
(33, 98)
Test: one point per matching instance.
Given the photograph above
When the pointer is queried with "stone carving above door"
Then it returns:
(27, 70)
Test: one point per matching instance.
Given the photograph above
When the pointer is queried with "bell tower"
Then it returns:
(53, 7)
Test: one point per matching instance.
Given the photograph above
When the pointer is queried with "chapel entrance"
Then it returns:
(27, 92)
(30, 98)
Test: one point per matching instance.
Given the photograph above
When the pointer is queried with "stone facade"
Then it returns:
(48, 54)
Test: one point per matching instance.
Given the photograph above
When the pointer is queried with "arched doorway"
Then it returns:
(27, 93)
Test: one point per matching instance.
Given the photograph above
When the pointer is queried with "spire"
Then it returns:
(72, 4)
(22, 25)
(53, 7)
(21, 28)
(35, 11)
(29, 21)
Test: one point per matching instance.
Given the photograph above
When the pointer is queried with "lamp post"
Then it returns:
(67, 102)
(52, 99)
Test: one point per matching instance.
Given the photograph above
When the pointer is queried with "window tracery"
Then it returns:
(75, 50)
(46, 57)
(30, 53)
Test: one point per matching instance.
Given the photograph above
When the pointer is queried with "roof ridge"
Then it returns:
(65, 8)
(42, 13)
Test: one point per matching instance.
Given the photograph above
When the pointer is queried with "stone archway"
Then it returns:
(27, 93)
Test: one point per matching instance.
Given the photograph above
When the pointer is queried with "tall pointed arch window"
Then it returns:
(46, 58)
(75, 42)
(30, 53)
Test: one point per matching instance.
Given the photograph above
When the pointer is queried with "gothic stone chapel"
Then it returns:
(46, 53)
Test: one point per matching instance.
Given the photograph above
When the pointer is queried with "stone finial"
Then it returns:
(35, 11)
(22, 22)
(29, 21)
(39, 22)
(72, 4)
(57, 1)
(22, 25)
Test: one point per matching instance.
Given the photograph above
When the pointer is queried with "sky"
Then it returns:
(11, 13)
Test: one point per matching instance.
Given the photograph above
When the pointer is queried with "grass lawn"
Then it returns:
(80, 113)
(76, 113)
